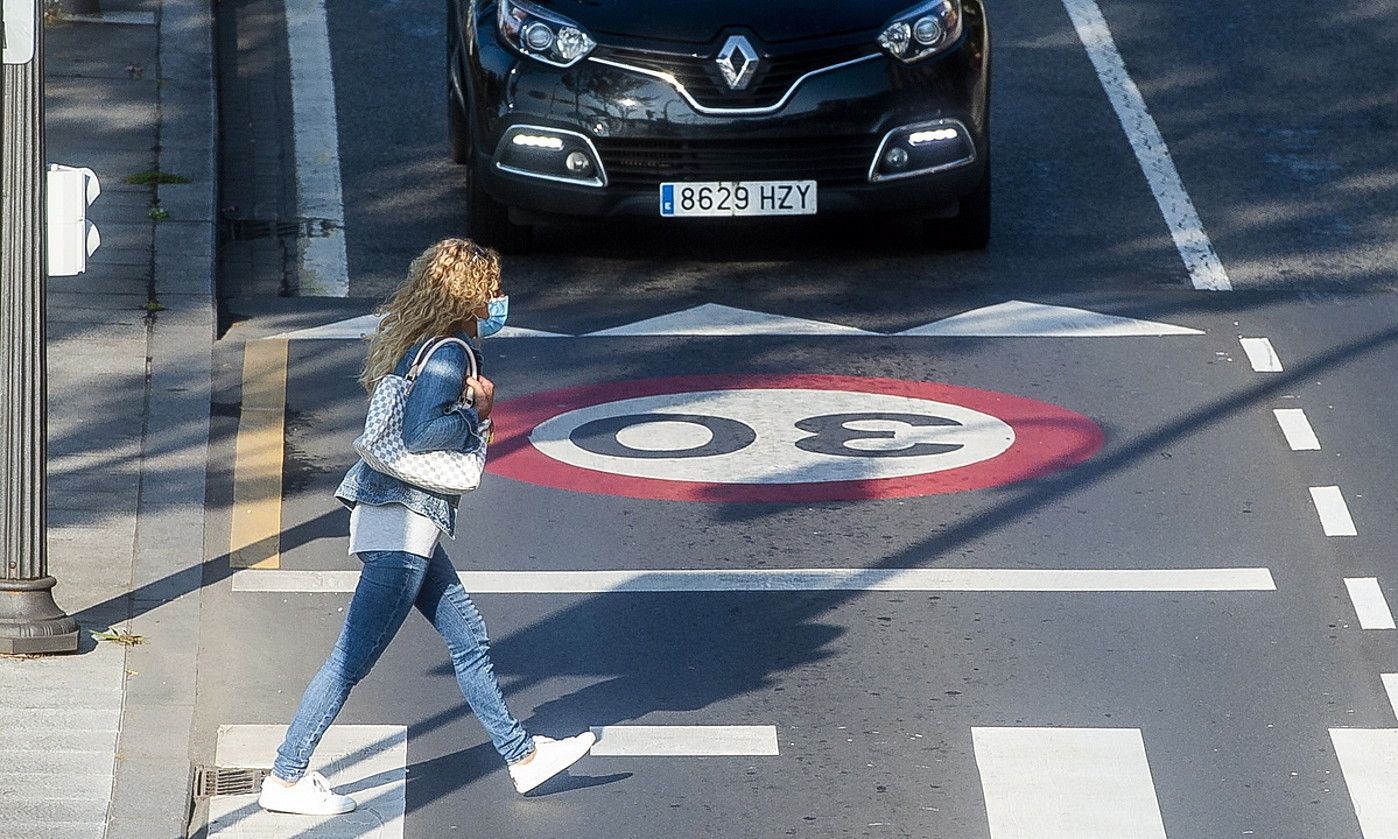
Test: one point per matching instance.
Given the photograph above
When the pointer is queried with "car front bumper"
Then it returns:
(646, 130)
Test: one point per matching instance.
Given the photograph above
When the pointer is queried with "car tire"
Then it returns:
(488, 221)
(458, 138)
(969, 229)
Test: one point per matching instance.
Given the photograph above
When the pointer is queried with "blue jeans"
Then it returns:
(391, 583)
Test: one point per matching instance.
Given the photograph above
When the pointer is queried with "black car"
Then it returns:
(612, 108)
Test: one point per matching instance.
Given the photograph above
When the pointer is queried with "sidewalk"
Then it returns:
(97, 744)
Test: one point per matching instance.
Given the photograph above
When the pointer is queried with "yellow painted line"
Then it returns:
(255, 537)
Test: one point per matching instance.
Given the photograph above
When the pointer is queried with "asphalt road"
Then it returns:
(891, 707)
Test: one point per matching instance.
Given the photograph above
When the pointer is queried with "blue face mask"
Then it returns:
(499, 310)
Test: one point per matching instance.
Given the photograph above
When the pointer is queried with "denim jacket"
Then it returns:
(433, 420)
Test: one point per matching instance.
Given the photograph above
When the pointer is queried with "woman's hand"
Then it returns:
(481, 393)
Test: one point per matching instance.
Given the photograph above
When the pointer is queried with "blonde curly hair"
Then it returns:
(445, 286)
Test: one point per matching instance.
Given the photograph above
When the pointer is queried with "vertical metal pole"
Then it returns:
(30, 620)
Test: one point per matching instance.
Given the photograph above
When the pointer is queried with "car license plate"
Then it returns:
(738, 198)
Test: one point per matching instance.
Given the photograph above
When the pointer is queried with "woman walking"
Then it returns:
(452, 291)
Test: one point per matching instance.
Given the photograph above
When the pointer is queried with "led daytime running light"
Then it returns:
(538, 141)
(918, 138)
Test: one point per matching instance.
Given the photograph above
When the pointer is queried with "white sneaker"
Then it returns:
(310, 796)
(549, 758)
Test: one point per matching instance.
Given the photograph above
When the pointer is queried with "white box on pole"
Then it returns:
(71, 237)
(20, 35)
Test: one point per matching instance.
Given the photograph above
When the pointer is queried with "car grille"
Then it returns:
(701, 77)
(646, 162)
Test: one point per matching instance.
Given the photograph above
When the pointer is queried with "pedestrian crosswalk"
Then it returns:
(1036, 782)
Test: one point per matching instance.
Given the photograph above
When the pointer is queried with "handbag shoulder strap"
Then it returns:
(417, 359)
(433, 344)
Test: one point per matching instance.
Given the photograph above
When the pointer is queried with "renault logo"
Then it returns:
(738, 61)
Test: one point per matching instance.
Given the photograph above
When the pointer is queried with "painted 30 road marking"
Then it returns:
(783, 438)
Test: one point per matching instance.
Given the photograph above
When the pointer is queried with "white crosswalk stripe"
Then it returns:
(367, 762)
(684, 740)
(1067, 783)
(1369, 761)
(802, 579)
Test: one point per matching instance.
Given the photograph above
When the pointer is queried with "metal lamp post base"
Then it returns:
(31, 622)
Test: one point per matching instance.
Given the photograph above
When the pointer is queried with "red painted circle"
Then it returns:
(1047, 439)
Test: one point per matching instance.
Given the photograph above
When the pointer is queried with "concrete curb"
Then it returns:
(153, 781)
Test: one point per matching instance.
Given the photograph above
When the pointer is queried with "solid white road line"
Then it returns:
(1335, 519)
(684, 740)
(1390, 686)
(1067, 783)
(1261, 354)
(1297, 429)
(1369, 603)
(814, 579)
(1369, 761)
(1205, 270)
(324, 270)
(366, 762)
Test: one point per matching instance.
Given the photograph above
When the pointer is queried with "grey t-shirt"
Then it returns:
(391, 527)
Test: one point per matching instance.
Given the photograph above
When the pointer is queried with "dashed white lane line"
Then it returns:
(1261, 354)
(1369, 603)
(1390, 687)
(1205, 270)
(324, 270)
(684, 740)
(1369, 761)
(1335, 519)
(366, 762)
(813, 579)
(1297, 429)
(1067, 783)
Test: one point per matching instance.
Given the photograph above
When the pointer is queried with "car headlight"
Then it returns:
(543, 35)
(923, 30)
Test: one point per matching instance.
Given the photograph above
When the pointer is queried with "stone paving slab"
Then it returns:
(57, 762)
(49, 743)
(20, 696)
(122, 117)
(95, 50)
(125, 282)
(62, 717)
(53, 786)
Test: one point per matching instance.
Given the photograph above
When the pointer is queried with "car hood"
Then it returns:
(701, 21)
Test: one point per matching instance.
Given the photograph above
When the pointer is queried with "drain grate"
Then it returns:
(223, 780)
(242, 228)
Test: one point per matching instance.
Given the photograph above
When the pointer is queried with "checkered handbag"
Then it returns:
(381, 444)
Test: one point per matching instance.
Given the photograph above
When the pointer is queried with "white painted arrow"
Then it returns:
(714, 320)
(1016, 318)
